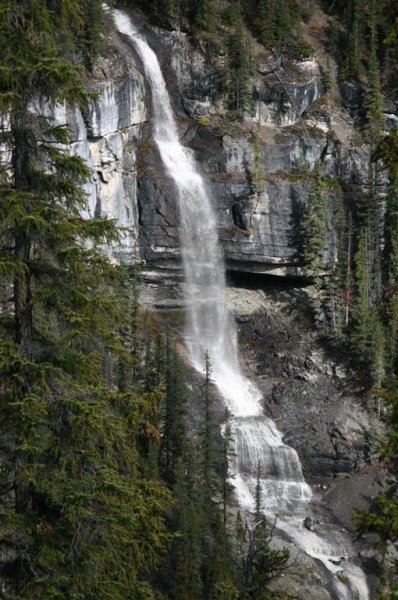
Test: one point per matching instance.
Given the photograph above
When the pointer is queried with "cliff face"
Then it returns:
(107, 137)
(258, 174)
(256, 169)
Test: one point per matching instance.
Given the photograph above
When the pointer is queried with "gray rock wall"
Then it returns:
(251, 163)
(106, 136)
(107, 139)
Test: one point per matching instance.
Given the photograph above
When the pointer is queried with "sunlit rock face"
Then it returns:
(106, 136)
(256, 165)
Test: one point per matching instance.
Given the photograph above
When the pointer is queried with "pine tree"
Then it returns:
(226, 475)
(374, 101)
(267, 12)
(355, 23)
(315, 226)
(258, 562)
(239, 67)
(78, 519)
(382, 519)
(205, 13)
(174, 429)
(275, 23)
(367, 336)
(92, 30)
(340, 284)
(207, 435)
(387, 151)
(283, 24)
(187, 554)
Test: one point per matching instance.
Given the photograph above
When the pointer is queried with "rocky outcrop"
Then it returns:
(106, 136)
(263, 162)
(307, 387)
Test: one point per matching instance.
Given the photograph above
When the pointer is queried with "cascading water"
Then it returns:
(210, 329)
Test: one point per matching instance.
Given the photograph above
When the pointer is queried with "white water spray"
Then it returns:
(210, 329)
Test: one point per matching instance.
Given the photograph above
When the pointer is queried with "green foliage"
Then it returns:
(71, 460)
(275, 23)
(315, 225)
(205, 14)
(92, 30)
(186, 557)
(355, 22)
(365, 45)
(341, 279)
(301, 167)
(387, 151)
(79, 518)
(239, 66)
(374, 98)
(258, 563)
(368, 334)
(327, 80)
(174, 430)
(382, 519)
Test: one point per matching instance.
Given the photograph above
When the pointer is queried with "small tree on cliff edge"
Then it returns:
(315, 226)
(205, 15)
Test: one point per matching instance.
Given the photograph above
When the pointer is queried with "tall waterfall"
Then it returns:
(210, 329)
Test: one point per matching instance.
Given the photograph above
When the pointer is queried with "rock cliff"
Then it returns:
(258, 173)
(256, 169)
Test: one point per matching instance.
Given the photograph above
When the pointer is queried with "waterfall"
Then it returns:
(210, 329)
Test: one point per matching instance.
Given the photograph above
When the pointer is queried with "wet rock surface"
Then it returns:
(312, 394)
(317, 400)
(263, 162)
(316, 397)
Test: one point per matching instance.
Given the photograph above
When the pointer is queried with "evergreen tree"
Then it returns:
(239, 67)
(174, 414)
(92, 30)
(79, 28)
(387, 151)
(258, 562)
(186, 564)
(382, 519)
(315, 226)
(374, 98)
(78, 518)
(226, 475)
(205, 15)
(267, 12)
(283, 24)
(355, 23)
(367, 336)
(207, 435)
(275, 23)
(340, 281)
